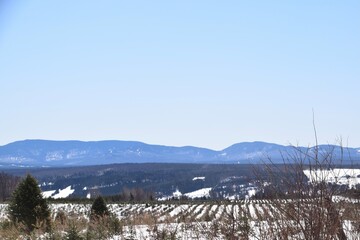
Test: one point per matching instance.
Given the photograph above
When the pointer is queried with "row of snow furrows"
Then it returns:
(151, 210)
(136, 209)
(191, 210)
(179, 210)
(251, 211)
(268, 210)
(204, 210)
(237, 211)
(226, 211)
(274, 210)
(120, 210)
(130, 209)
(259, 211)
(140, 209)
(243, 201)
(246, 201)
(165, 211)
(261, 201)
(167, 208)
(188, 211)
(240, 210)
(70, 208)
(161, 210)
(197, 211)
(339, 199)
(220, 211)
(213, 210)
(156, 211)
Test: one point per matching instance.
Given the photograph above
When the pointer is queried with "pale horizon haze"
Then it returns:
(200, 73)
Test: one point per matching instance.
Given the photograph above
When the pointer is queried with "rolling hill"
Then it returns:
(46, 153)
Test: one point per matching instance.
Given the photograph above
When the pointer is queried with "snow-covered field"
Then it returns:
(175, 211)
(193, 220)
(340, 176)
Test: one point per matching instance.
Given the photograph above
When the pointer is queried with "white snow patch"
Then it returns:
(63, 193)
(177, 194)
(47, 194)
(46, 184)
(251, 192)
(85, 188)
(74, 153)
(54, 156)
(198, 178)
(204, 192)
(252, 211)
(341, 176)
(88, 196)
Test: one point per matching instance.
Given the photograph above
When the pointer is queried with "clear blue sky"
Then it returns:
(204, 73)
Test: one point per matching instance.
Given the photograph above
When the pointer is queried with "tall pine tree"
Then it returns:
(28, 207)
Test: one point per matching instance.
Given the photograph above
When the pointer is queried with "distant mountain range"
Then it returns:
(46, 153)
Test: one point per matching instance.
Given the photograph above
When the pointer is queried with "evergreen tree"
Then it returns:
(28, 207)
(73, 233)
(99, 208)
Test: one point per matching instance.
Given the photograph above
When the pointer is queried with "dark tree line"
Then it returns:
(132, 194)
(8, 184)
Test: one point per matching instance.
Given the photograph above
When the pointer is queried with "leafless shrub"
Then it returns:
(300, 207)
